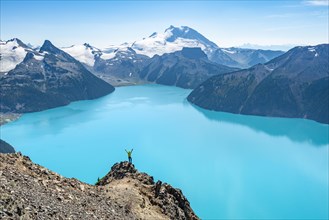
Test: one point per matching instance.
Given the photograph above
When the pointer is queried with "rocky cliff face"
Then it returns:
(29, 191)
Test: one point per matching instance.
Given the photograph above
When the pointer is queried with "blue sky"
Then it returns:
(227, 23)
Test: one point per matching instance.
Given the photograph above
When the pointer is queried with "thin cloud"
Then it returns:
(317, 2)
(319, 14)
(283, 28)
(287, 15)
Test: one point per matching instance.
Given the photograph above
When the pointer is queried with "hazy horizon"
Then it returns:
(264, 25)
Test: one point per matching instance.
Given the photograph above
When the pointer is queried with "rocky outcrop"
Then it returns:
(170, 201)
(30, 191)
(6, 148)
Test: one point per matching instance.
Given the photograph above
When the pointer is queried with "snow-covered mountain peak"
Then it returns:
(12, 52)
(171, 40)
(187, 33)
(14, 41)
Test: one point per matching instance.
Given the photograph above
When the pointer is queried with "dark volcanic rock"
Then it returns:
(48, 79)
(294, 84)
(186, 69)
(5, 147)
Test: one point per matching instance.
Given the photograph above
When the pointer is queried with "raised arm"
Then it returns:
(132, 150)
(126, 150)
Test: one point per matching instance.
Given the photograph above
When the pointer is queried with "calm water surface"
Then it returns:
(229, 166)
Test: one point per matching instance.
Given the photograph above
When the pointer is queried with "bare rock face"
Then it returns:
(30, 191)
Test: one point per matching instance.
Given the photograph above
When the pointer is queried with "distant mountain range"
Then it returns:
(272, 83)
(282, 47)
(45, 79)
(295, 84)
(174, 39)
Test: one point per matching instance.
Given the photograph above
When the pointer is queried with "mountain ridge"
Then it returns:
(175, 38)
(294, 84)
(46, 79)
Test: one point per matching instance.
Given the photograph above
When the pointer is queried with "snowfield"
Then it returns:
(12, 53)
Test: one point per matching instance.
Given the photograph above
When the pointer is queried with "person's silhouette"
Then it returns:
(129, 155)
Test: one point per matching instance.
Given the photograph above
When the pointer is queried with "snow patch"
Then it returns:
(159, 46)
(11, 55)
(312, 49)
(82, 53)
(38, 57)
(228, 51)
(107, 56)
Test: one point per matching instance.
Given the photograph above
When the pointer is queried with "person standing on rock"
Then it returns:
(129, 155)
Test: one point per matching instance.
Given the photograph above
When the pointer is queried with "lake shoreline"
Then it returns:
(8, 117)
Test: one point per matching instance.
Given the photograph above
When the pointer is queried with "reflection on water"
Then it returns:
(300, 130)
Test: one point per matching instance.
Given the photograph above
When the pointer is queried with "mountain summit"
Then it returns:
(12, 52)
(187, 33)
(171, 40)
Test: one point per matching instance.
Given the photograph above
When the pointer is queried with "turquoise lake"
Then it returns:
(228, 166)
